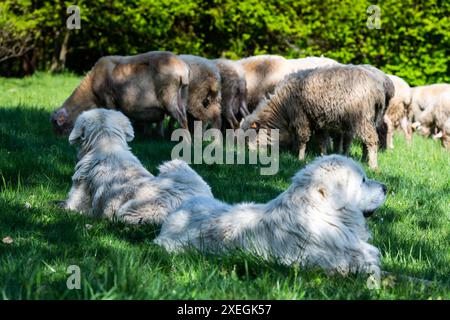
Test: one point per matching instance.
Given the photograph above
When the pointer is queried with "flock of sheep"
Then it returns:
(300, 97)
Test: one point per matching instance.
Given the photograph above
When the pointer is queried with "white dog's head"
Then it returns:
(342, 183)
(93, 125)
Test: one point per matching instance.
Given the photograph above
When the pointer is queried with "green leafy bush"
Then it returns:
(413, 41)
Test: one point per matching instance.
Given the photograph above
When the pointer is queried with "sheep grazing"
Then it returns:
(234, 92)
(432, 119)
(345, 99)
(262, 74)
(204, 96)
(397, 111)
(144, 87)
(423, 97)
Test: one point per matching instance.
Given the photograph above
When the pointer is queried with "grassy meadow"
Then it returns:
(116, 261)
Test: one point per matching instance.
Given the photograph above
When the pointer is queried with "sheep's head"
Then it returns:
(63, 118)
(422, 129)
(204, 102)
(264, 131)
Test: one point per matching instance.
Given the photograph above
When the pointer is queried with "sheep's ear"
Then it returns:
(77, 134)
(255, 125)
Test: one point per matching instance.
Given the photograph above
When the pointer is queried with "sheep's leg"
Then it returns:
(347, 139)
(390, 132)
(235, 121)
(139, 127)
(323, 138)
(243, 109)
(191, 121)
(407, 130)
(232, 120)
(216, 123)
(368, 134)
(171, 125)
(373, 150)
(302, 151)
(303, 135)
(338, 139)
(160, 128)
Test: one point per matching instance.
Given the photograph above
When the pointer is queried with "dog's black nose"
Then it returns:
(384, 188)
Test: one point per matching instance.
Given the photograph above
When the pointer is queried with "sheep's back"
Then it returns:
(338, 95)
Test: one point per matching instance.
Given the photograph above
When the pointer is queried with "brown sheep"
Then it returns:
(204, 96)
(144, 87)
(263, 73)
(234, 92)
(423, 97)
(344, 99)
(432, 119)
(397, 111)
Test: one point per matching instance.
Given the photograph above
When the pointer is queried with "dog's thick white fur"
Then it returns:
(109, 181)
(319, 221)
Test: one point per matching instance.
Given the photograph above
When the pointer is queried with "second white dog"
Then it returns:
(109, 181)
(318, 221)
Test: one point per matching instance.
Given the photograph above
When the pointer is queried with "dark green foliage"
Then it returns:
(413, 42)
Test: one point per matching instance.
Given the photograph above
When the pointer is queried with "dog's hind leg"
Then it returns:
(137, 212)
(79, 198)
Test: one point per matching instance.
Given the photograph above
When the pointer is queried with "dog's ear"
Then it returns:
(322, 191)
(78, 131)
(128, 130)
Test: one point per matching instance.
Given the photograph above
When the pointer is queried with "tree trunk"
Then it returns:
(59, 62)
(28, 64)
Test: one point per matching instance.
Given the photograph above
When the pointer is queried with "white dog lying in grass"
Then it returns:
(109, 181)
(318, 221)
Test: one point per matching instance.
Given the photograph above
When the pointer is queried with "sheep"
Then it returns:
(423, 97)
(397, 111)
(234, 91)
(144, 87)
(345, 99)
(433, 118)
(263, 73)
(204, 98)
(310, 63)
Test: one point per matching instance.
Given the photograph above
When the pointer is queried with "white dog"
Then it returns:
(318, 221)
(109, 181)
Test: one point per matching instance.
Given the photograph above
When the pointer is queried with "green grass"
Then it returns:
(121, 262)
